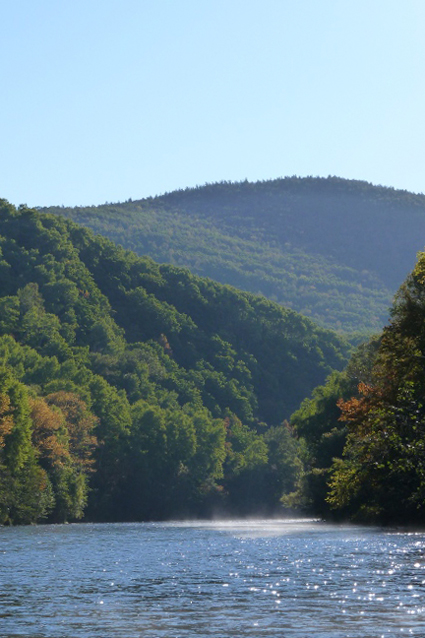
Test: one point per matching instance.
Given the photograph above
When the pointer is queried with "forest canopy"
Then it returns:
(365, 428)
(133, 391)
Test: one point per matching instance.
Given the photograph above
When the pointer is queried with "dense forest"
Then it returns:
(135, 391)
(332, 249)
(365, 428)
(131, 390)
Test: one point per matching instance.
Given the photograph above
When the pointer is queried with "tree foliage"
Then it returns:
(382, 475)
(133, 390)
(378, 473)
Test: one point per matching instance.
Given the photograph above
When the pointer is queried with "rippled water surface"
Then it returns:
(261, 578)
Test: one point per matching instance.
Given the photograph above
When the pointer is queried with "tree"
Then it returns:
(382, 474)
(25, 489)
(80, 424)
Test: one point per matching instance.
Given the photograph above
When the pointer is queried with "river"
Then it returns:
(281, 578)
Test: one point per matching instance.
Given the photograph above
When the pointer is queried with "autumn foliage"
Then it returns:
(46, 449)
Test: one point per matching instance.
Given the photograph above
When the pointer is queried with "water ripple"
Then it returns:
(233, 578)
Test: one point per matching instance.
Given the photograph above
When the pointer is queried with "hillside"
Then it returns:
(365, 428)
(132, 391)
(335, 250)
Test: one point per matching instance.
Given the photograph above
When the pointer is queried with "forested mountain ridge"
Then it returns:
(130, 390)
(333, 249)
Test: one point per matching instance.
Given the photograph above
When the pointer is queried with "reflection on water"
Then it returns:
(283, 578)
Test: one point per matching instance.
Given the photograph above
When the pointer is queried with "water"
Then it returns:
(172, 580)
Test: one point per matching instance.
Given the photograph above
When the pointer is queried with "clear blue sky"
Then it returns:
(103, 100)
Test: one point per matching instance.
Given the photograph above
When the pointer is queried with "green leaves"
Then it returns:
(133, 371)
(382, 476)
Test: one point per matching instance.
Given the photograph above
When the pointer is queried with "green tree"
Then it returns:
(382, 474)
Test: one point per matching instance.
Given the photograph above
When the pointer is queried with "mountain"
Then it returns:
(332, 249)
(131, 390)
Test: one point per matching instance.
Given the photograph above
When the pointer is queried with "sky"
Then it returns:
(106, 100)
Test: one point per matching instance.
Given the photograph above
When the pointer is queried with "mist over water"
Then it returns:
(297, 577)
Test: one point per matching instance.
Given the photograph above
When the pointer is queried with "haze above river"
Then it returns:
(281, 578)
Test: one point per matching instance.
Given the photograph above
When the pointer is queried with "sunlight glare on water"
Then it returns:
(285, 578)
